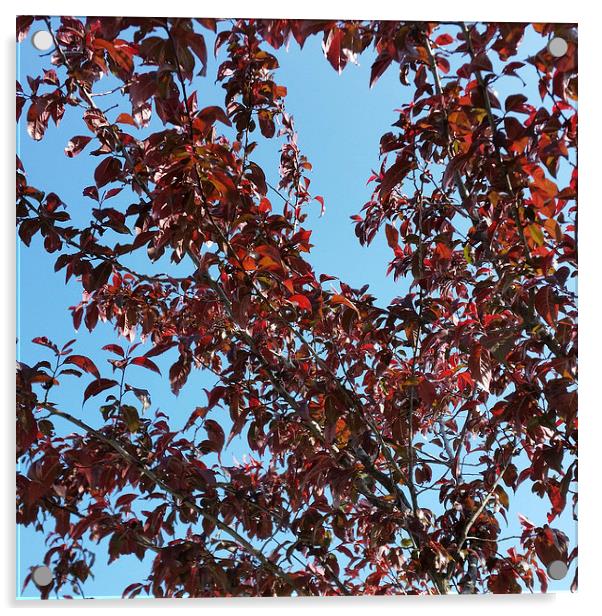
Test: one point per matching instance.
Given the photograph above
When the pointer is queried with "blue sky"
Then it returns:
(339, 120)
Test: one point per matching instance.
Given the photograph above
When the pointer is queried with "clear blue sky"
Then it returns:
(339, 121)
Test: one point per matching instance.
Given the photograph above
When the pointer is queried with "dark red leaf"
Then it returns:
(109, 170)
(333, 50)
(43, 341)
(380, 65)
(178, 373)
(392, 236)
(145, 362)
(212, 114)
(546, 305)
(85, 363)
(23, 24)
(95, 120)
(480, 366)
(197, 44)
(216, 435)
(98, 386)
(98, 277)
(38, 116)
(114, 348)
(76, 145)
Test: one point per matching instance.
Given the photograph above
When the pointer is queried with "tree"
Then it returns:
(463, 388)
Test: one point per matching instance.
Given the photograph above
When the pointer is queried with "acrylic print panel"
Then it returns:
(297, 307)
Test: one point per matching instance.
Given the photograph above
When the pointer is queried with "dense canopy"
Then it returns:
(386, 443)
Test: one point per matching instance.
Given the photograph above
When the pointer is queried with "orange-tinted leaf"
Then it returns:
(341, 299)
(125, 118)
(300, 300)
(392, 235)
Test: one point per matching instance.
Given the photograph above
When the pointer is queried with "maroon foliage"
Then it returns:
(463, 388)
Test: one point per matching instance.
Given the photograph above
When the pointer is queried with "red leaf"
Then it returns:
(85, 363)
(320, 200)
(213, 114)
(114, 348)
(479, 363)
(125, 118)
(301, 301)
(23, 24)
(216, 435)
(38, 116)
(394, 176)
(98, 386)
(326, 278)
(214, 396)
(145, 362)
(464, 379)
(428, 393)
(98, 276)
(125, 500)
(392, 236)
(456, 165)
(265, 206)
(443, 64)
(266, 123)
(550, 545)
(108, 171)
(197, 44)
(178, 373)
(444, 39)
(160, 348)
(43, 341)
(91, 191)
(380, 65)
(443, 251)
(249, 264)
(143, 87)
(95, 119)
(76, 145)
(341, 299)
(91, 317)
(545, 305)
(423, 473)
(112, 193)
(332, 48)
(516, 103)
(258, 177)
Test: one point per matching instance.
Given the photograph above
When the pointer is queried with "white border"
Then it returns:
(590, 243)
